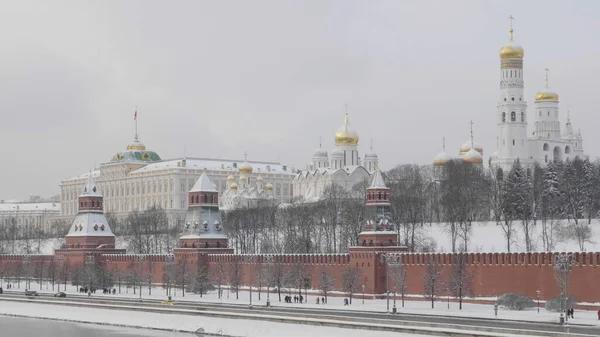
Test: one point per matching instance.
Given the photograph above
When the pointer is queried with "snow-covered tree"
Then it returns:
(517, 203)
(432, 280)
(572, 189)
(590, 189)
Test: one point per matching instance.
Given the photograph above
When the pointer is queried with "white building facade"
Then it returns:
(342, 167)
(28, 215)
(245, 192)
(137, 179)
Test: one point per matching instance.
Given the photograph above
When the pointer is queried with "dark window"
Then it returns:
(504, 116)
(513, 116)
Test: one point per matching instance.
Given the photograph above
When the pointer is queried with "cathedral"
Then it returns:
(341, 167)
(547, 142)
(246, 193)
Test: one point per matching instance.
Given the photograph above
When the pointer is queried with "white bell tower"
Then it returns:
(511, 108)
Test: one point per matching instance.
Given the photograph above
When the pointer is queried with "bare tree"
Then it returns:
(218, 276)
(399, 278)
(351, 281)
(460, 282)
(432, 280)
(582, 233)
(236, 275)
(326, 283)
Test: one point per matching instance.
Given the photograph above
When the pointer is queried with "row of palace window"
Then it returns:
(513, 99)
(94, 203)
(513, 116)
(195, 199)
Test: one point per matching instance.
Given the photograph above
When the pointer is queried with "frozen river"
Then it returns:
(31, 327)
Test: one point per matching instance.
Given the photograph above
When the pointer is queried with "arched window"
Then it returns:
(546, 147)
(522, 116)
(503, 116)
(513, 116)
(567, 149)
(512, 98)
(546, 158)
(513, 142)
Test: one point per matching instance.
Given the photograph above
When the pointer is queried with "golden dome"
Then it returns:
(467, 146)
(231, 178)
(511, 50)
(441, 159)
(246, 168)
(473, 157)
(136, 145)
(269, 187)
(259, 179)
(546, 95)
(233, 186)
(345, 135)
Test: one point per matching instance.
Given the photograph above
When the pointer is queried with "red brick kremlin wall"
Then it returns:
(494, 273)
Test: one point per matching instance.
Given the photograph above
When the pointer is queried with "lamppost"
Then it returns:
(389, 260)
(363, 289)
(170, 260)
(538, 300)
(251, 259)
(562, 267)
(268, 263)
(89, 266)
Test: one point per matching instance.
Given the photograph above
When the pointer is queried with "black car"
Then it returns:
(60, 294)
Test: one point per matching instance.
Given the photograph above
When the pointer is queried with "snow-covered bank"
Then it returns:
(182, 323)
(442, 308)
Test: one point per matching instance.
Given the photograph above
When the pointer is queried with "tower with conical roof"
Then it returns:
(203, 228)
(378, 229)
(90, 229)
(511, 110)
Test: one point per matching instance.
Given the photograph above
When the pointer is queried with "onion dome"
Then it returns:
(246, 168)
(441, 159)
(259, 179)
(345, 135)
(269, 187)
(511, 50)
(467, 146)
(337, 153)
(242, 178)
(230, 178)
(473, 157)
(233, 186)
(371, 155)
(320, 153)
(546, 94)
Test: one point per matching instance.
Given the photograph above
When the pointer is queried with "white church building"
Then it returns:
(548, 141)
(342, 167)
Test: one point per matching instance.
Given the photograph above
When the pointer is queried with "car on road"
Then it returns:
(60, 294)
(31, 293)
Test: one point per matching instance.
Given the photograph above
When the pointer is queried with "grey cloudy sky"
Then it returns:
(270, 77)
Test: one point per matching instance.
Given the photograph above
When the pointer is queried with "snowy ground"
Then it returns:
(587, 317)
(489, 237)
(227, 327)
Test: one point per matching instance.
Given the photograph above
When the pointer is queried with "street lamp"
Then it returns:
(538, 300)
(268, 262)
(562, 267)
(389, 260)
(251, 259)
(363, 289)
(394, 308)
(169, 264)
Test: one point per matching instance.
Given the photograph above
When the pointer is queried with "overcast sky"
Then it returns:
(269, 77)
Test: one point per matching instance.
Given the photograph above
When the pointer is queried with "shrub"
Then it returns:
(515, 302)
(553, 304)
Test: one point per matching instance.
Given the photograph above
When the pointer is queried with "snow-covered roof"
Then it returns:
(43, 206)
(95, 174)
(204, 184)
(90, 189)
(213, 164)
(90, 224)
(377, 181)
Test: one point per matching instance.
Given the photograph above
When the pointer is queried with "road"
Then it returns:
(31, 327)
(351, 316)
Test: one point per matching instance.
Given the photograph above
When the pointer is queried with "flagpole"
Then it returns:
(135, 122)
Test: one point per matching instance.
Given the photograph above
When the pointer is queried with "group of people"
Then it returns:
(321, 300)
(570, 313)
(297, 299)
(90, 291)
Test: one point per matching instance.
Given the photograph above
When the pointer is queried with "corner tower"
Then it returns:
(511, 113)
